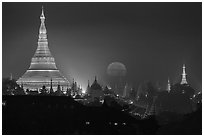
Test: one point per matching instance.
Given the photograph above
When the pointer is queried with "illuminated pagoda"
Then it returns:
(168, 85)
(184, 81)
(42, 67)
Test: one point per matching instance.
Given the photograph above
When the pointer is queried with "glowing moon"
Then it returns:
(116, 69)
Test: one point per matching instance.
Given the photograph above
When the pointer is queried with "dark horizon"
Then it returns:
(153, 40)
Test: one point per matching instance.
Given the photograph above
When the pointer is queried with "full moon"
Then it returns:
(116, 69)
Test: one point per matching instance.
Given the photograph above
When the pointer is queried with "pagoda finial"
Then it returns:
(42, 14)
(42, 30)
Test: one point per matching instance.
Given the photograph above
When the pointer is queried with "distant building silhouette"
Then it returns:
(96, 90)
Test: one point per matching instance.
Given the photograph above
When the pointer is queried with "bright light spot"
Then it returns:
(87, 123)
(131, 102)
(199, 93)
(83, 91)
(124, 123)
(115, 124)
(4, 103)
(108, 87)
(194, 95)
(102, 101)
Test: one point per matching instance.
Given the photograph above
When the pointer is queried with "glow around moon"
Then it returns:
(116, 69)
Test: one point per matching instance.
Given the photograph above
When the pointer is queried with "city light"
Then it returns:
(3, 103)
(83, 91)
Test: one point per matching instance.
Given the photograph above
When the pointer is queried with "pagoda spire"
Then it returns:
(42, 30)
(42, 14)
(51, 89)
(88, 84)
(168, 85)
(184, 81)
(95, 79)
(67, 87)
(88, 88)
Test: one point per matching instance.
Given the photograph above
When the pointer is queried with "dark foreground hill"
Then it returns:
(50, 115)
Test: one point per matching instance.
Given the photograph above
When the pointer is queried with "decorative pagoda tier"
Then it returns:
(42, 68)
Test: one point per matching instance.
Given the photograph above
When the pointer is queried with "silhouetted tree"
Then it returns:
(43, 90)
(178, 100)
(151, 92)
(9, 86)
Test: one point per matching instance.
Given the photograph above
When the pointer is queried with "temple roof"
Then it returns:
(95, 85)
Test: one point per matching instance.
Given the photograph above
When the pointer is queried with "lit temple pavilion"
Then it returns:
(42, 68)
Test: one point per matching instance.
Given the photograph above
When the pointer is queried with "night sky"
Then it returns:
(152, 40)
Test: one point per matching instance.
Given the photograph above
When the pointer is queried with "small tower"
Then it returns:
(75, 88)
(58, 87)
(184, 81)
(88, 84)
(168, 86)
(51, 89)
(88, 88)
(95, 79)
